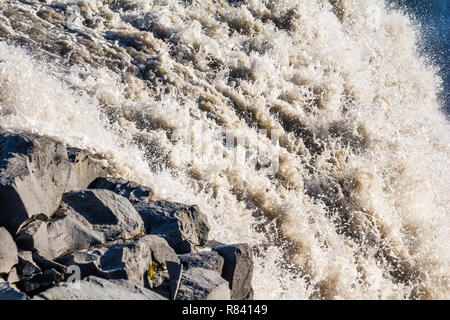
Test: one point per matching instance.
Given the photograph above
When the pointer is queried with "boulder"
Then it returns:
(202, 284)
(210, 260)
(33, 174)
(130, 261)
(46, 264)
(175, 270)
(8, 251)
(93, 288)
(118, 261)
(238, 269)
(133, 191)
(9, 293)
(13, 276)
(184, 227)
(27, 266)
(63, 232)
(85, 168)
(87, 260)
(39, 281)
(108, 213)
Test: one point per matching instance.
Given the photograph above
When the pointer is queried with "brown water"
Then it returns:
(350, 198)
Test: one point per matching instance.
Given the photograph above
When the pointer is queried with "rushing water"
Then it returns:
(434, 18)
(350, 198)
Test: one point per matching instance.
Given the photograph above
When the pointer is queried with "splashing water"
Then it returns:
(358, 206)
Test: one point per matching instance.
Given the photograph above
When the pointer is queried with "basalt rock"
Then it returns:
(13, 276)
(184, 227)
(85, 168)
(8, 251)
(46, 264)
(39, 282)
(238, 269)
(202, 284)
(34, 171)
(137, 261)
(27, 266)
(133, 191)
(108, 213)
(94, 288)
(58, 235)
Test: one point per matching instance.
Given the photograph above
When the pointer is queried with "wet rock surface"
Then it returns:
(111, 240)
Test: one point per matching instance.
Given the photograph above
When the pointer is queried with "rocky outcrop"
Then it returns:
(13, 276)
(131, 260)
(27, 267)
(33, 174)
(93, 288)
(85, 168)
(55, 236)
(8, 251)
(111, 238)
(202, 284)
(108, 213)
(39, 281)
(238, 269)
(184, 227)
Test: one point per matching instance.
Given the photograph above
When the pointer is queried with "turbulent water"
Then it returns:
(310, 129)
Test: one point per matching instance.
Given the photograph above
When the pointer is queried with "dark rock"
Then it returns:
(108, 213)
(8, 251)
(9, 293)
(39, 282)
(184, 227)
(175, 271)
(93, 288)
(46, 264)
(27, 266)
(130, 261)
(52, 237)
(202, 284)
(87, 260)
(238, 269)
(13, 276)
(210, 260)
(33, 174)
(214, 243)
(85, 168)
(117, 261)
(129, 189)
